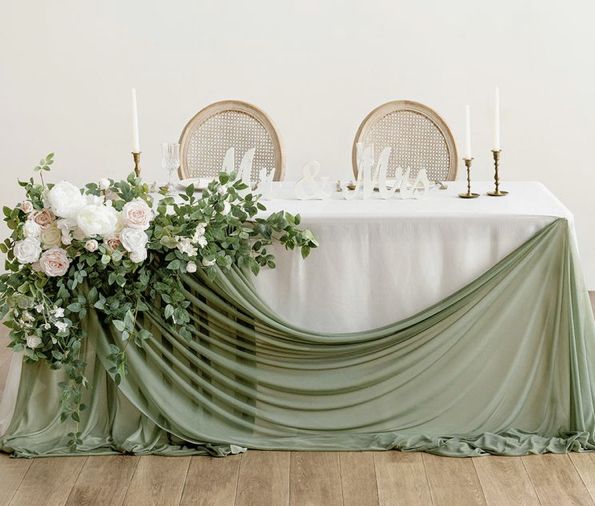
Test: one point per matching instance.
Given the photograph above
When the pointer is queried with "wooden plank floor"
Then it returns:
(297, 478)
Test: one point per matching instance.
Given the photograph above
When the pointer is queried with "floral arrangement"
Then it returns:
(114, 247)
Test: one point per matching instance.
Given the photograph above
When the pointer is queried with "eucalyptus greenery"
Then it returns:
(44, 304)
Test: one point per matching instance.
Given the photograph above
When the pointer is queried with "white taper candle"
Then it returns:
(468, 132)
(497, 120)
(135, 136)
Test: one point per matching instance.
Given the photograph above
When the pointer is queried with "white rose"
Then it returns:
(26, 206)
(191, 267)
(97, 220)
(54, 262)
(104, 183)
(226, 208)
(138, 256)
(137, 214)
(91, 245)
(208, 263)
(27, 251)
(31, 229)
(133, 239)
(51, 237)
(33, 342)
(65, 199)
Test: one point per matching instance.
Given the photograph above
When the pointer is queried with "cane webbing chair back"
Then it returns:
(230, 123)
(419, 137)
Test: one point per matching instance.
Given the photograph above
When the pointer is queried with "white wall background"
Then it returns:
(317, 67)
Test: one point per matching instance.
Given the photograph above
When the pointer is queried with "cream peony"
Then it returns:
(138, 256)
(26, 206)
(31, 229)
(104, 183)
(96, 219)
(65, 199)
(33, 342)
(137, 214)
(133, 239)
(91, 245)
(51, 237)
(27, 251)
(54, 262)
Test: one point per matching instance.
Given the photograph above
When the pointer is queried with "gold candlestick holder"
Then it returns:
(497, 191)
(136, 158)
(469, 194)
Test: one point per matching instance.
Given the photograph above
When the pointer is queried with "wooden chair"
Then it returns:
(230, 123)
(419, 137)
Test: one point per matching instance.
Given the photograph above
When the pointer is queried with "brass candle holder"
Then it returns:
(469, 194)
(497, 191)
(136, 158)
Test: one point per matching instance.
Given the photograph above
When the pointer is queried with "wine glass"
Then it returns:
(170, 161)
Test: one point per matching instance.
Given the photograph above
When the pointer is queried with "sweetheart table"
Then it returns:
(444, 325)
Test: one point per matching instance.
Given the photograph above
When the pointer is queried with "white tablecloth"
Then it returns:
(381, 261)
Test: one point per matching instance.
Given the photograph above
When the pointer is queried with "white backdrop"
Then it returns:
(317, 68)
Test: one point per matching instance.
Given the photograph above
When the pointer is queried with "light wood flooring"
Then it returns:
(297, 478)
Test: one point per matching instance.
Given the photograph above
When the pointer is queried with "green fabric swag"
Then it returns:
(504, 366)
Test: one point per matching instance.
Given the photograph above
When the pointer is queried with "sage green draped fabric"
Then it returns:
(504, 366)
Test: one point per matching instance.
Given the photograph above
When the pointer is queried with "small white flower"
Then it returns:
(185, 246)
(133, 239)
(26, 206)
(208, 263)
(226, 208)
(46, 326)
(31, 229)
(91, 245)
(199, 232)
(27, 251)
(33, 342)
(202, 241)
(27, 317)
(138, 256)
(59, 312)
(191, 267)
(61, 326)
(104, 183)
(39, 308)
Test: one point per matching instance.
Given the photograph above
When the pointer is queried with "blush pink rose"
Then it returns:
(43, 218)
(112, 242)
(137, 214)
(54, 262)
(26, 206)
